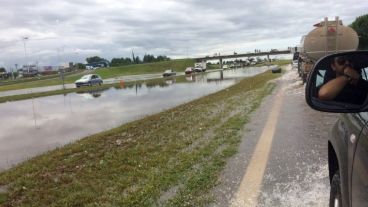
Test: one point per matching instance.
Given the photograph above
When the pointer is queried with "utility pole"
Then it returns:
(61, 71)
(16, 69)
(25, 50)
(133, 57)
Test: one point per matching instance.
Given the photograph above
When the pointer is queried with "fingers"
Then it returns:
(352, 73)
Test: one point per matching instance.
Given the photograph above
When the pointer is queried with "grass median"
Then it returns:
(172, 158)
(87, 89)
(158, 67)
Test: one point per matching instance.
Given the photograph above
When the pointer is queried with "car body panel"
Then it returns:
(359, 180)
(338, 140)
(347, 125)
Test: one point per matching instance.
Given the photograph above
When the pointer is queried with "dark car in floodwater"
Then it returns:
(276, 70)
(339, 84)
(89, 80)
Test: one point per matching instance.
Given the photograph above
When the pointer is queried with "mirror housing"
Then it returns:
(349, 91)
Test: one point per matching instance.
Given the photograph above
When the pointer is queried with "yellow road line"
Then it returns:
(250, 185)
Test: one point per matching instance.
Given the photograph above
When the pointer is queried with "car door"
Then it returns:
(93, 80)
(99, 79)
(359, 186)
(348, 126)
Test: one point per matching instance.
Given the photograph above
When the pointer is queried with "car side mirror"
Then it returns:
(339, 83)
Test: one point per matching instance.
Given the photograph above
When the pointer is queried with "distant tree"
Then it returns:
(137, 60)
(121, 62)
(128, 61)
(80, 66)
(147, 58)
(94, 59)
(251, 59)
(360, 25)
(162, 58)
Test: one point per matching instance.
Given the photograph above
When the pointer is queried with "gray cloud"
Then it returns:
(68, 30)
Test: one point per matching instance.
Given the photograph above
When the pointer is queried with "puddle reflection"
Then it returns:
(37, 125)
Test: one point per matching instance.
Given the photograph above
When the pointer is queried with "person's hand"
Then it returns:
(353, 74)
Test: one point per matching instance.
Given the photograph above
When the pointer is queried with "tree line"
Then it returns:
(147, 58)
(360, 25)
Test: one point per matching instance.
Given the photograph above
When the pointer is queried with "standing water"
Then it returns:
(33, 126)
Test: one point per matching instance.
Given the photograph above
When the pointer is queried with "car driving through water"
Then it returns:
(89, 80)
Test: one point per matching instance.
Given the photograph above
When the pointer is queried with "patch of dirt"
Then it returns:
(3, 188)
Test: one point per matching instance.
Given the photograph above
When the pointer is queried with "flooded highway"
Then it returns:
(33, 126)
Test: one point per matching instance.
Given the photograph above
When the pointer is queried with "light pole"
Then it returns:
(16, 70)
(25, 50)
(61, 71)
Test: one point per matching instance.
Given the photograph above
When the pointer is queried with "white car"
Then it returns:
(169, 72)
(89, 80)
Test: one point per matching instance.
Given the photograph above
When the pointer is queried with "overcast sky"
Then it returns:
(76, 29)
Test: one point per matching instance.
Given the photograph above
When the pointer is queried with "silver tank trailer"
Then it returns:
(328, 37)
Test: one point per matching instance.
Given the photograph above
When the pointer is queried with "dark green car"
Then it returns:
(339, 84)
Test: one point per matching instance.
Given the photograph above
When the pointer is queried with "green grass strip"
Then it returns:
(181, 150)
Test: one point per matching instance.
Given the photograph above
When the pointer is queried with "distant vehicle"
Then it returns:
(189, 70)
(29, 71)
(199, 69)
(225, 67)
(202, 65)
(88, 67)
(89, 80)
(276, 70)
(169, 72)
(295, 64)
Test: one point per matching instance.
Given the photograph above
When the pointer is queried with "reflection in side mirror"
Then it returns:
(339, 83)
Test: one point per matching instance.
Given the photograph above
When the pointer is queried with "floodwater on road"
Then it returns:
(33, 126)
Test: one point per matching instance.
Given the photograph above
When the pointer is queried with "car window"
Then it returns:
(364, 116)
(320, 77)
(365, 73)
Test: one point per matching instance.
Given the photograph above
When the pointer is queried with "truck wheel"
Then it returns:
(304, 78)
(335, 191)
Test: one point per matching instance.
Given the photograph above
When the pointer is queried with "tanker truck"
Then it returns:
(327, 38)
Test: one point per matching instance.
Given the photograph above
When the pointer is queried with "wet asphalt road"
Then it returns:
(296, 172)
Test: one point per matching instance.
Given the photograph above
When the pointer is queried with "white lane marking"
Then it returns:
(250, 185)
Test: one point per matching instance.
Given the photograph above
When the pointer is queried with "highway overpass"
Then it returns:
(235, 55)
